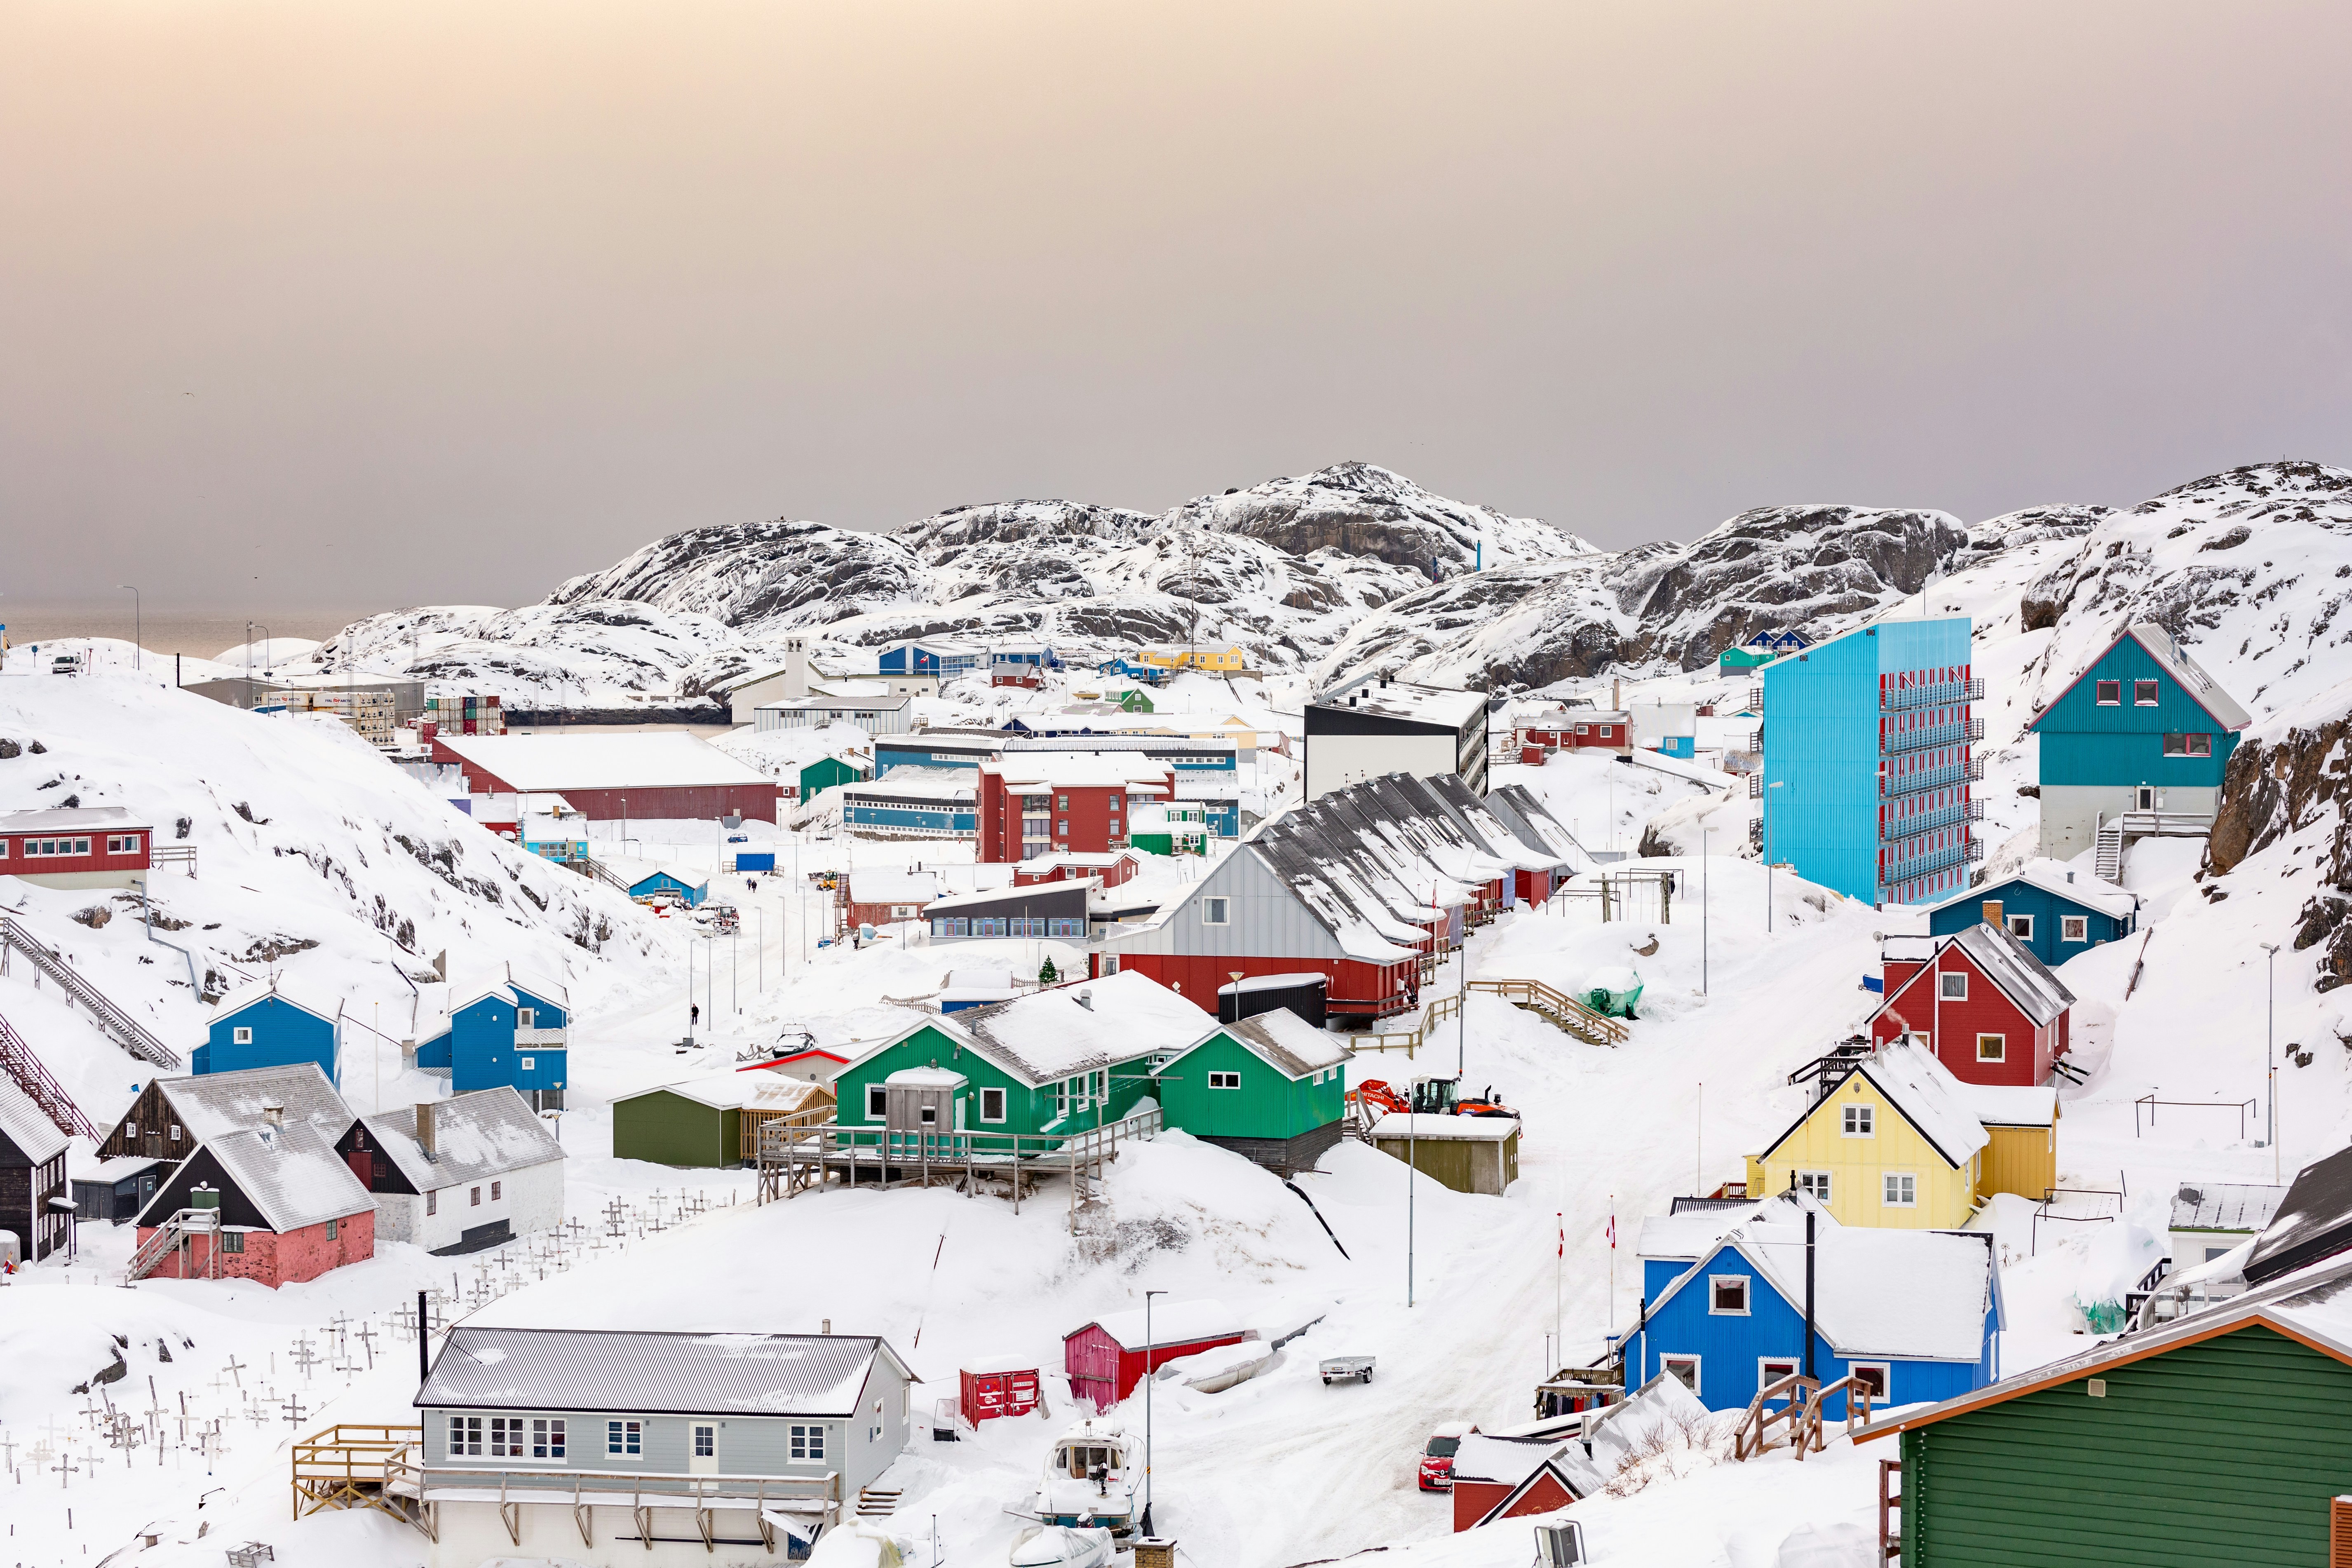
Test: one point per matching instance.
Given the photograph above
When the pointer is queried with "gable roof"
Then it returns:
(2313, 1219)
(1577, 1476)
(290, 1173)
(2225, 1205)
(211, 1104)
(2054, 878)
(1518, 804)
(1172, 1323)
(660, 1373)
(1282, 1039)
(2313, 1307)
(1920, 1295)
(2000, 958)
(1687, 1235)
(244, 996)
(2174, 661)
(1923, 1092)
(28, 1126)
(1050, 1035)
(746, 1089)
(483, 1132)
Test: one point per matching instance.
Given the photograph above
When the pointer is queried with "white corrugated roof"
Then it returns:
(2055, 877)
(72, 819)
(483, 1132)
(752, 1090)
(659, 1374)
(633, 760)
(1876, 1292)
(1929, 1097)
(212, 1104)
(290, 1173)
(28, 1126)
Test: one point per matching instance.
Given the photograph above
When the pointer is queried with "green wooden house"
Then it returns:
(1037, 1069)
(2225, 1436)
(1273, 1088)
(826, 771)
(701, 1120)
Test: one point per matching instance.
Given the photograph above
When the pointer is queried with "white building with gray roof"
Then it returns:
(460, 1174)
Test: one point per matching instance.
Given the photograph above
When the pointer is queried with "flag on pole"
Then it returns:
(1612, 1230)
(1561, 1221)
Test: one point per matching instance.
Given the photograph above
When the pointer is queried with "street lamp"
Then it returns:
(1143, 1518)
(1702, 909)
(137, 628)
(2270, 1051)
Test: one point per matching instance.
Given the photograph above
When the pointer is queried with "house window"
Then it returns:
(1728, 1293)
(1771, 1370)
(523, 1016)
(1224, 1081)
(1683, 1369)
(1861, 1121)
(706, 1442)
(2019, 926)
(2111, 693)
(464, 1437)
(477, 1198)
(807, 1442)
(2187, 745)
(1870, 1375)
(528, 1063)
(498, 1191)
(130, 1131)
(877, 1103)
(432, 1203)
(1217, 911)
(624, 1438)
(232, 1241)
(991, 1105)
(241, 1035)
(2144, 694)
(1991, 1047)
(546, 1438)
(2073, 928)
(1955, 987)
(331, 1227)
(506, 1437)
(1902, 1190)
(1816, 1183)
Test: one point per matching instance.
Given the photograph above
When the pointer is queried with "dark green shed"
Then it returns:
(2224, 1437)
(1272, 1088)
(700, 1121)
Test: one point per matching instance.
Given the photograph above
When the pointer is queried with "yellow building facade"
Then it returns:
(1224, 660)
(1869, 1165)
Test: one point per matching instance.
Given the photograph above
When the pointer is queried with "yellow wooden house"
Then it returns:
(1899, 1142)
(1224, 660)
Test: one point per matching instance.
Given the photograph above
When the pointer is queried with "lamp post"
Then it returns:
(1776, 784)
(2270, 1051)
(137, 628)
(1702, 909)
(1143, 1517)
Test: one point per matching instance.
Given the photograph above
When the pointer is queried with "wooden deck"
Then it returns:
(796, 1157)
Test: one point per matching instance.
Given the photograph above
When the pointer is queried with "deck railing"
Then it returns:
(431, 1488)
(343, 1467)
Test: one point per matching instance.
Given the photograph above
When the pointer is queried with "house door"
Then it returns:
(2144, 798)
(702, 1458)
(363, 1165)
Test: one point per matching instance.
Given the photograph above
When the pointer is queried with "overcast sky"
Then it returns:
(436, 301)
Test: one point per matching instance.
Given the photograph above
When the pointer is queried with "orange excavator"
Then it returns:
(1427, 1097)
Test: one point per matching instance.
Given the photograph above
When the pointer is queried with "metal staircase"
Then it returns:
(178, 1233)
(17, 1059)
(112, 1021)
(604, 874)
(2111, 851)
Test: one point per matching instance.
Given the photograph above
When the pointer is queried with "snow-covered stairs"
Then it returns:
(2111, 851)
(877, 1502)
(17, 1060)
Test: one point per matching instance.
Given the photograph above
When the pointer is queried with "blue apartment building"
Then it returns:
(942, 660)
(1868, 762)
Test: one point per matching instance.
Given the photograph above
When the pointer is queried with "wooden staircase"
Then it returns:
(181, 1230)
(1552, 1004)
(16, 1058)
(877, 1502)
(112, 1021)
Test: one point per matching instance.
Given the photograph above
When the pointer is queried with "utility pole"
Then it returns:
(1143, 1517)
(1702, 910)
(2270, 1054)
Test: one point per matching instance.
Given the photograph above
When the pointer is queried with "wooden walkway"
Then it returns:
(1554, 1005)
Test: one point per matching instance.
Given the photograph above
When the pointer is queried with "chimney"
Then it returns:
(1086, 1000)
(425, 1132)
(827, 1327)
(796, 680)
(273, 1115)
(1992, 913)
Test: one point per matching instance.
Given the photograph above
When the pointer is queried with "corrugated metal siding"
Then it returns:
(2224, 1451)
(671, 1130)
(2022, 1160)
(1265, 920)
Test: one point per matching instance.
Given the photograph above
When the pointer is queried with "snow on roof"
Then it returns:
(1273, 982)
(2011, 1105)
(1172, 1323)
(1516, 805)
(2191, 675)
(978, 976)
(2313, 1219)
(1929, 1098)
(28, 1126)
(2225, 1205)
(633, 760)
(1014, 897)
(2055, 877)
(70, 819)
(893, 886)
(1487, 830)
(277, 986)
(290, 1173)
(212, 1104)
(120, 1168)
(480, 1133)
(1081, 770)
(2007, 963)
(1690, 1234)
(1405, 699)
(685, 875)
(1459, 1128)
(927, 1078)
(1051, 1035)
(1282, 1039)
(660, 1373)
(745, 1090)
(915, 784)
(1919, 1294)
(855, 702)
(1503, 1461)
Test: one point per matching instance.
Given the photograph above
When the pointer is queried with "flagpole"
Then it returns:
(1612, 1267)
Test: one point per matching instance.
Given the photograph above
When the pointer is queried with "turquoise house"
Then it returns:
(680, 883)
(1867, 762)
(262, 1026)
(2056, 911)
(2142, 729)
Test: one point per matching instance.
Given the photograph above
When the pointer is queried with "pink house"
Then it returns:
(273, 1203)
(1110, 1356)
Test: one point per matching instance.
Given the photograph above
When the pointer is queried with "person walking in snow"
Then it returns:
(693, 1014)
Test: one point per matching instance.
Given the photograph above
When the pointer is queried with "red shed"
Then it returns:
(1503, 1478)
(999, 1385)
(1107, 1358)
(76, 846)
(636, 774)
(1980, 1000)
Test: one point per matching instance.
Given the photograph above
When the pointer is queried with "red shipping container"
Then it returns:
(989, 1395)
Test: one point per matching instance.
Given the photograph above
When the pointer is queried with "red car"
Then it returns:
(1436, 1470)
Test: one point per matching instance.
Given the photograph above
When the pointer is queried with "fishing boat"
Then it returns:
(1091, 1473)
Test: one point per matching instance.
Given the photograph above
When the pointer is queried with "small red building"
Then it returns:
(882, 898)
(288, 1209)
(1115, 868)
(1506, 1477)
(1036, 803)
(1574, 730)
(1007, 1388)
(1979, 1001)
(1111, 1355)
(76, 846)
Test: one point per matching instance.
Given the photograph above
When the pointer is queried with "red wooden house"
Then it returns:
(1009, 1389)
(1111, 1355)
(1114, 868)
(1979, 1001)
(1574, 730)
(1504, 1477)
(1044, 802)
(288, 1209)
(76, 846)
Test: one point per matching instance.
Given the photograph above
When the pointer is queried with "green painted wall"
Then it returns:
(2085, 743)
(2223, 1451)
(671, 1130)
(1268, 1104)
(825, 773)
(1026, 1110)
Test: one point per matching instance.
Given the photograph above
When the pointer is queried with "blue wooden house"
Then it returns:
(511, 1033)
(2142, 729)
(940, 660)
(1913, 1312)
(263, 1026)
(692, 886)
(2055, 910)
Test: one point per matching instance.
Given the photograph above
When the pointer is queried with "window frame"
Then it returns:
(999, 1097)
(702, 1440)
(548, 1441)
(432, 1203)
(1667, 1363)
(1885, 1371)
(2099, 690)
(1217, 910)
(2147, 694)
(1222, 1079)
(2073, 928)
(804, 1444)
(474, 1200)
(2019, 926)
(2000, 1046)
(1859, 1120)
(877, 1103)
(464, 1437)
(240, 1034)
(498, 1192)
(1716, 1283)
(624, 1438)
(1817, 1183)
(1764, 1365)
(1888, 1188)
(1945, 991)
(232, 1241)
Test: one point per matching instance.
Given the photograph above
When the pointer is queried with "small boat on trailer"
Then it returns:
(1091, 1473)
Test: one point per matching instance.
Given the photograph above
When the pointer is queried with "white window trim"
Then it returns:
(1001, 1103)
(877, 1103)
(1697, 1367)
(240, 1034)
(1885, 1371)
(1944, 979)
(1217, 911)
(1747, 1308)
(1224, 1081)
(1984, 1035)
(1885, 1177)
(1764, 1380)
(2073, 928)
(551, 1424)
(621, 1451)
(2019, 926)
(1824, 1179)
(1869, 1118)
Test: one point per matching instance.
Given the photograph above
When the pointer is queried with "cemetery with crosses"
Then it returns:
(1330, 1106)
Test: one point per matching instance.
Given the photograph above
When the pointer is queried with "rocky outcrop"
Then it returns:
(2282, 786)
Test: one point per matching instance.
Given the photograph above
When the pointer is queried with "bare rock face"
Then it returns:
(1363, 510)
(2275, 788)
